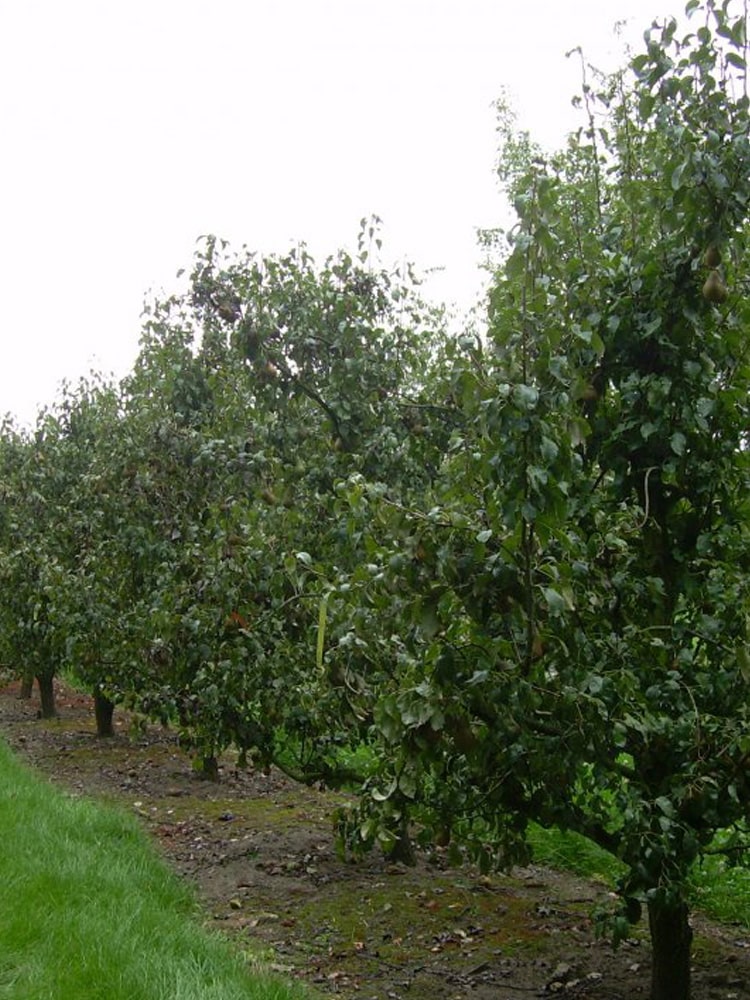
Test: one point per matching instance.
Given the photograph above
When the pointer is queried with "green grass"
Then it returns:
(72, 680)
(720, 890)
(89, 911)
(573, 853)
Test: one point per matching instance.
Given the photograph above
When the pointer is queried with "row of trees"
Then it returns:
(156, 533)
(513, 569)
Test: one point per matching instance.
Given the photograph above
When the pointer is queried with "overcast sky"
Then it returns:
(130, 129)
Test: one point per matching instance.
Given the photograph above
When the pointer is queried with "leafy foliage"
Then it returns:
(199, 501)
(486, 580)
(579, 597)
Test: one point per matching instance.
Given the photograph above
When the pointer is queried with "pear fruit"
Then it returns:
(714, 289)
(590, 393)
(712, 257)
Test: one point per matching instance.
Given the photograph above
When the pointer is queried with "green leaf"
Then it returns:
(666, 806)
(646, 103)
(428, 620)
(549, 449)
(736, 60)
(407, 784)
(677, 175)
(595, 684)
(743, 661)
(678, 443)
(382, 796)
(555, 600)
(526, 396)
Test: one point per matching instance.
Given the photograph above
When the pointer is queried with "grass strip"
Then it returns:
(717, 887)
(88, 911)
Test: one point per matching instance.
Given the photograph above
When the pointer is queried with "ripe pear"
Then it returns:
(712, 257)
(228, 311)
(590, 393)
(714, 289)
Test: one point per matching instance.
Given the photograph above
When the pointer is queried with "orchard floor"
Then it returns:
(260, 851)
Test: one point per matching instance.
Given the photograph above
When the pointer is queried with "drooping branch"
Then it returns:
(317, 398)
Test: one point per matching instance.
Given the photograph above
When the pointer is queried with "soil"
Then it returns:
(260, 851)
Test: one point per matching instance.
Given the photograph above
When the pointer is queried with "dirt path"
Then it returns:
(260, 851)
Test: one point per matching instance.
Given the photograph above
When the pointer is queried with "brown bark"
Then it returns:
(103, 712)
(27, 683)
(46, 696)
(402, 850)
(208, 768)
(671, 938)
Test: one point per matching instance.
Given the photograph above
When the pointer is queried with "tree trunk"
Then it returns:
(103, 711)
(402, 849)
(46, 696)
(671, 937)
(207, 768)
(27, 683)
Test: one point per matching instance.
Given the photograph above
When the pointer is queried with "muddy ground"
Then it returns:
(260, 851)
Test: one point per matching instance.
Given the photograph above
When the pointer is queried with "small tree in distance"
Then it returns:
(577, 581)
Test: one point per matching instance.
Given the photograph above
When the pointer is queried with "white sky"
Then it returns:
(130, 129)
